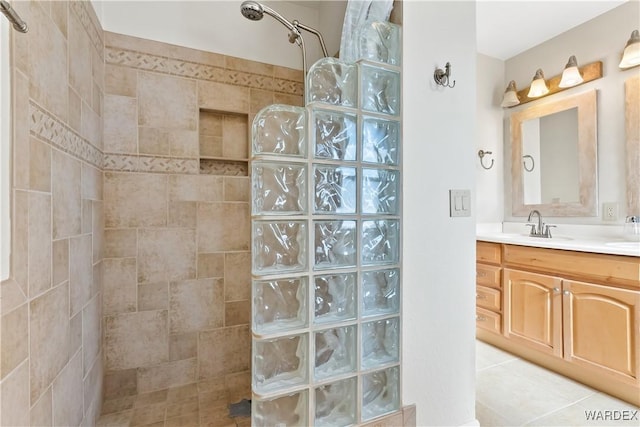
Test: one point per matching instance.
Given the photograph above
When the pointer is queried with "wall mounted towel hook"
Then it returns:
(441, 76)
(524, 163)
(483, 153)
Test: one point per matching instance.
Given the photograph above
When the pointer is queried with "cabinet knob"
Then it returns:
(481, 318)
(481, 274)
(480, 296)
(566, 292)
(556, 290)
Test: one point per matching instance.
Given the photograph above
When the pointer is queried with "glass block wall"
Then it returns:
(326, 229)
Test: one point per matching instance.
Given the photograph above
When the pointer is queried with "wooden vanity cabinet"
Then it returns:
(572, 312)
(489, 287)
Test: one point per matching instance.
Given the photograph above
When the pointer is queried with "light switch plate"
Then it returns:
(459, 203)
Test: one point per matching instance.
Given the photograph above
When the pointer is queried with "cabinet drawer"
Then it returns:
(488, 298)
(488, 320)
(489, 252)
(488, 275)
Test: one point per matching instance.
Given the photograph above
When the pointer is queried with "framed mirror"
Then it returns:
(554, 157)
(632, 131)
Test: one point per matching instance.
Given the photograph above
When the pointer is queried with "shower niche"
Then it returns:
(326, 230)
(222, 139)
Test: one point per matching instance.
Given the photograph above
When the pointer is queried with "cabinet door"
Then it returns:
(601, 328)
(533, 310)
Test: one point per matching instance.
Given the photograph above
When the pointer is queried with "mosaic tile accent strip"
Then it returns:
(222, 167)
(178, 67)
(48, 128)
(87, 20)
(134, 163)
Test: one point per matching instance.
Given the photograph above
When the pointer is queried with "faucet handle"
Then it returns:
(533, 231)
(547, 230)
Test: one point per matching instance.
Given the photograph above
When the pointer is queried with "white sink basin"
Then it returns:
(624, 245)
(526, 236)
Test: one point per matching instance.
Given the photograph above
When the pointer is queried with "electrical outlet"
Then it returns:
(609, 211)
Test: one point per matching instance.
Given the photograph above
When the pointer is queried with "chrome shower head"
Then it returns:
(252, 10)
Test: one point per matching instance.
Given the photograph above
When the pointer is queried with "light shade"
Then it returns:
(538, 85)
(510, 97)
(571, 75)
(631, 55)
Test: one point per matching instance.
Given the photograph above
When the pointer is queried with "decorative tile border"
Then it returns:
(48, 128)
(226, 168)
(88, 20)
(178, 67)
(135, 163)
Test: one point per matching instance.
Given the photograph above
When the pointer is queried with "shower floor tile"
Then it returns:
(192, 405)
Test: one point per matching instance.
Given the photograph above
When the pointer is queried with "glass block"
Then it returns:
(279, 246)
(333, 82)
(380, 241)
(380, 90)
(334, 135)
(335, 189)
(335, 352)
(335, 297)
(380, 191)
(380, 141)
(380, 342)
(379, 42)
(380, 292)
(334, 244)
(278, 188)
(280, 305)
(336, 403)
(279, 363)
(380, 393)
(291, 410)
(280, 129)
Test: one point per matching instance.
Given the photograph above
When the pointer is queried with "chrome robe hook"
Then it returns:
(441, 76)
(524, 162)
(481, 154)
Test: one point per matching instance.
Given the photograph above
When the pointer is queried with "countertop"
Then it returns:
(597, 239)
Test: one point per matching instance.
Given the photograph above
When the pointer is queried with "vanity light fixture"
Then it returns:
(571, 75)
(631, 55)
(510, 97)
(538, 85)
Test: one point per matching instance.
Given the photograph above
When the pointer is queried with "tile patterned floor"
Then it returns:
(192, 405)
(513, 392)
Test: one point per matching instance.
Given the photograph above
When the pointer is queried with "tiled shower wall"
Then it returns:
(51, 307)
(177, 281)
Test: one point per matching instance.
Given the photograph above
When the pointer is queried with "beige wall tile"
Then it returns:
(92, 389)
(162, 141)
(116, 419)
(120, 383)
(217, 360)
(120, 124)
(42, 411)
(195, 188)
(39, 243)
(14, 405)
(150, 398)
(75, 111)
(183, 410)
(91, 333)
(60, 262)
(153, 141)
(67, 392)
(75, 333)
(20, 240)
(136, 339)
(149, 415)
(135, 200)
(48, 75)
(237, 276)
(97, 285)
(248, 66)
(237, 386)
(91, 126)
(288, 73)
(59, 15)
(196, 305)
(80, 74)
(49, 338)
(39, 166)
(210, 265)
(173, 107)
(210, 146)
(210, 123)
(98, 69)
(166, 375)
(87, 216)
(154, 296)
(235, 137)
(166, 254)
(12, 295)
(287, 99)
(118, 404)
(182, 214)
(80, 272)
(237, 189)
(97, 213)
(121, 81)
(66, 190)
(388, 421)
(409, 415)
(91, 182)
(237, 313)
(15, 339)
(223, 227)
(223, 97)
(259, 99)
(21, 125)
(183, 346)
(120, 285)
(120, 243)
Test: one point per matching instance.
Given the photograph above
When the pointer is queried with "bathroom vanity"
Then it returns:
(573, 310)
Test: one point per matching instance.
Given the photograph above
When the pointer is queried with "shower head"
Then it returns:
(255, 11)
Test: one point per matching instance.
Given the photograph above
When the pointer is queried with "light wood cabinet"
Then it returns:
(575, 313)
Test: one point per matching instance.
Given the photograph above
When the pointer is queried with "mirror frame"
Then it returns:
(587, 158)
(632, 131)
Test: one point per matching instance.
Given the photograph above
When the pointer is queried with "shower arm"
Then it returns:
(300, 25)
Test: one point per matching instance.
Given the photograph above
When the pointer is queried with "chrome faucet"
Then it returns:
(540, 229)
